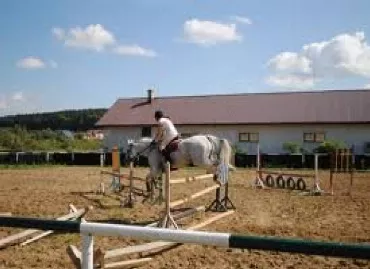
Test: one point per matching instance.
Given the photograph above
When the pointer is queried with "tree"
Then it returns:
(292, 147)
(329, 146)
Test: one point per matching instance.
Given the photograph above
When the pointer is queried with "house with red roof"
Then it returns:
(270, 119)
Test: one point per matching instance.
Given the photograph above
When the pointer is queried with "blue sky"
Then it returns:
(69, 54)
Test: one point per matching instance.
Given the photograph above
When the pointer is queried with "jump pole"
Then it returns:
(218, 239)
(316, 190)
(258, 183)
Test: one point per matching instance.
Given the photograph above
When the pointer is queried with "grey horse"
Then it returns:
(204, 151)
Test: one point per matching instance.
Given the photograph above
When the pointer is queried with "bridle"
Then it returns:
(137, 155)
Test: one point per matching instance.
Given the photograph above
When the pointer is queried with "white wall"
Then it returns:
(119, 136)
(271, 137)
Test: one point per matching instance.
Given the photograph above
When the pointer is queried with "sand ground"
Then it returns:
(47, 192)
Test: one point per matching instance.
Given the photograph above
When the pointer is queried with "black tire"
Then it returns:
(301, 184)
(280, 182)
(290, 183)
(270, 181)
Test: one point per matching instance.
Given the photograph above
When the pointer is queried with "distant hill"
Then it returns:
(73, 120)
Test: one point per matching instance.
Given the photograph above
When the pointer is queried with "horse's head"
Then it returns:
(143, 146)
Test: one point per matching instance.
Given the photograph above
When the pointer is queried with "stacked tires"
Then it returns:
(285, 182)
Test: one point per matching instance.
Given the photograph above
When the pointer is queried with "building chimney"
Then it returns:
(150, 95)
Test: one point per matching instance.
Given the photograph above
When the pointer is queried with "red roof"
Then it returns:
(350, 106)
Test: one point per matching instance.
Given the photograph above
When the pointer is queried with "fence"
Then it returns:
(362, 162)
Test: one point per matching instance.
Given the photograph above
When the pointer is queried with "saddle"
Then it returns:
(171, 147)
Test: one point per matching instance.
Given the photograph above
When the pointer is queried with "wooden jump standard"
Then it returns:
(220, 205)
(342, 162)
(116, 174)
(227, 240)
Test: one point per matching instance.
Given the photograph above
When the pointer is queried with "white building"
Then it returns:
(307, 118)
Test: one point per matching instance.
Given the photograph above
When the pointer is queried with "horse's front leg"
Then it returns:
(149, 185)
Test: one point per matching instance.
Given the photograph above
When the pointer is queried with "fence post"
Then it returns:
(102, 158)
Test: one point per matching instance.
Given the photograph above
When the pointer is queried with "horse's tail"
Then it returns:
(225, 153)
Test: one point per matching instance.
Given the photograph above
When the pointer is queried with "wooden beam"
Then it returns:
(73, 208)
(20, 236)
(75, 255)
(127, 264)
(120, 175)
(5, 214)
(193, 196)
(190, 179)
(182, 214)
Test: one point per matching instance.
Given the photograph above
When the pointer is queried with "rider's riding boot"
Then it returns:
(172, 167)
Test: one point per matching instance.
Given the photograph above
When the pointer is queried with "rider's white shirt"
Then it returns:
(169, 131)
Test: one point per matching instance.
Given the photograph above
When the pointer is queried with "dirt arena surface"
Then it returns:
(47, 192)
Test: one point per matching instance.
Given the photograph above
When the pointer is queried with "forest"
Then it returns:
(48, 131)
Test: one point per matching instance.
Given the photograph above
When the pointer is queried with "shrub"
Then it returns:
(292, 147)
(329, 146)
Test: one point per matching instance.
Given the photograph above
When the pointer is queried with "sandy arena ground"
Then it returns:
(47, 192)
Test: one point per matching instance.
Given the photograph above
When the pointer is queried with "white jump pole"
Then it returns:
(88, 251)
(258, 157)
(258, 183)
(316, 187)
(241, 241)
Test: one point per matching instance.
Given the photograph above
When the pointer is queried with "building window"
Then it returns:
(146, 131)
(314, 137)
(248, 137)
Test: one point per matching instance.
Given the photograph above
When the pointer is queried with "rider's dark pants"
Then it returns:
(166, 152)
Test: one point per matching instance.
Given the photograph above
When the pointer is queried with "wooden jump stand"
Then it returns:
(342, 162)
(218, 205)
(116, 184)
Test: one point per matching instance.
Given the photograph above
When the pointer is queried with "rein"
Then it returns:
(141, 152)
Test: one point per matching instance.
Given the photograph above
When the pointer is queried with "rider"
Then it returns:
(166, 134)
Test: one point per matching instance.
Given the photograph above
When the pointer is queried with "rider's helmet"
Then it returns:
(158, 114)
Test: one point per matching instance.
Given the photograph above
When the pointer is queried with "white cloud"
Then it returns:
(343, 56)
(367, 86)
(242, 19)
(290, 62)
(93, 37)
(209, 33)
(18, 96)
(13, 103)
(134, 50)
(96, 37)
(31, 63)
(291, 81)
